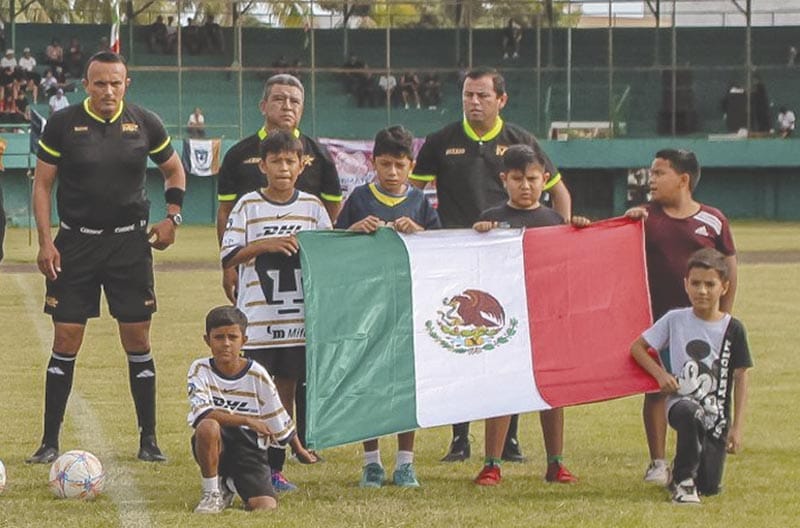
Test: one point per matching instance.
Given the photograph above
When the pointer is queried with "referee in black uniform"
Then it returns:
(282, 108)
(465, 160)
(98, 150)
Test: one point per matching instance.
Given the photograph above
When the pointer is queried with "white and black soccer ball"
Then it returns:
(77, 475)
(2, 477)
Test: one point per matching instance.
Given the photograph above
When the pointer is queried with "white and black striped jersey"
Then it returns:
(270, 292)
(250, 393)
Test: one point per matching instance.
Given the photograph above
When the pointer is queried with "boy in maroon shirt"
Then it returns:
(676, 225)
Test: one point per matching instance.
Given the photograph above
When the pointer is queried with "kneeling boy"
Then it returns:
(707, 362)
(236, 414)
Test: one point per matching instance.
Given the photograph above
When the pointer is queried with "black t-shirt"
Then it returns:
(467, 169)
(542, 216)
(102, 163)
(240, 174)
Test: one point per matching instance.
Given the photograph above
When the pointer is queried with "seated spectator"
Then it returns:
(367, 90)
(196, 126)
(8, 60)
(295, 70)
(431, 91)
(9, 83)
(190, 37)
(54, 53)
(352, 78)
(512, 36)
(387, 83)
(409, 89)
(23, 108)
(171, 45)
(58, 101)
(212, 35)
(61, 77)
(280, 65)
(157, 35)
(74, 60)
(49, 84)
(786, 122)
(103, 45)
(27, 62)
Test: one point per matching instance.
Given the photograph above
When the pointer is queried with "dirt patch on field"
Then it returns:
(746, 257)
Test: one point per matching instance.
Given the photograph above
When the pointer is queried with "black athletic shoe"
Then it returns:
(149, 451)
(459, 450)
(512, 452)
(44, 455)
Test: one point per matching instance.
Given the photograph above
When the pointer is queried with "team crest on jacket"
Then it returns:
(471, 322)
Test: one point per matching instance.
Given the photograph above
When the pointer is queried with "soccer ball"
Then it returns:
(77, 475)
(2, 477)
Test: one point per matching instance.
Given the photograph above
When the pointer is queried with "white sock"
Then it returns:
(660, 462)
(372, 457)
(404, 457)
(210, 484)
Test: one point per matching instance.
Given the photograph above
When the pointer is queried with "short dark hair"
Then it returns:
(682, 161)
(108, 57)
(225, 316)
(395, 141)
(520, 157)
(282, 78)
(498, 81)
(278, 141)
(709, 258)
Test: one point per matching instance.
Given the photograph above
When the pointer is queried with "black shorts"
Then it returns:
(287, 362)
(244, 462)
(121, 263)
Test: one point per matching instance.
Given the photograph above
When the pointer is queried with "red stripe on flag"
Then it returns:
(587, 302)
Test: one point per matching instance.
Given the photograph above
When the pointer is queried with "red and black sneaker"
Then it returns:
(557, 472)
(489, 476)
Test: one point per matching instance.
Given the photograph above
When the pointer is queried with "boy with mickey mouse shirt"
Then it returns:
(707, 362)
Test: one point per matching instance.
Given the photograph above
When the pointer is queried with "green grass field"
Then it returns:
(605, 443)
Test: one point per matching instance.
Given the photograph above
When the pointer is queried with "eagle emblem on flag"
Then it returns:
(471, 322)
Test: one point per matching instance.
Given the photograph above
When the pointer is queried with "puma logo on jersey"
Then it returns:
(280, 230)
(233, 405)
(455, 152)
(80, 129)
(130, 127)
(252, 161)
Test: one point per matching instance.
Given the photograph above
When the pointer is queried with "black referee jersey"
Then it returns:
(240, 174)
(102, 163)
(466, 168)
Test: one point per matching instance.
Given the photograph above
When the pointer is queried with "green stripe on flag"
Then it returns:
(359, 336)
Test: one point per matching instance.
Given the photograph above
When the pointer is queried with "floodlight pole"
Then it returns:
(610, 69)
(674, 80)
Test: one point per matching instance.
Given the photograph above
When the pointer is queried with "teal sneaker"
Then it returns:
(373, 476)
(405, 477)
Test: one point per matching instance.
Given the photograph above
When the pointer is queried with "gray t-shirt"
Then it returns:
(702, 356)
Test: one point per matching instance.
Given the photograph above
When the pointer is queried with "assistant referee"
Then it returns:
(97, 150)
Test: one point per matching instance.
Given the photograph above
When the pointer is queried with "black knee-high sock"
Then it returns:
(512, 427)
(276, 458)
(58, 385)
(142, 376)
(300, 410)
(461, 430)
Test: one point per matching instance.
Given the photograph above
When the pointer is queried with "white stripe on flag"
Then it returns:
(456, 385)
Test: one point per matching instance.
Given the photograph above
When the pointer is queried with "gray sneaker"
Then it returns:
(228, 493)
(657, 473)
(685, 492)
(210, 502)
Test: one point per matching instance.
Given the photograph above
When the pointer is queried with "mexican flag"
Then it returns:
(411, 331)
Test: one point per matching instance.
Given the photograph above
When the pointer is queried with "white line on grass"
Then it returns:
(121, 488)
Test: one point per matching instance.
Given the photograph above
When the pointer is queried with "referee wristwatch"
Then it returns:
(176, 218)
